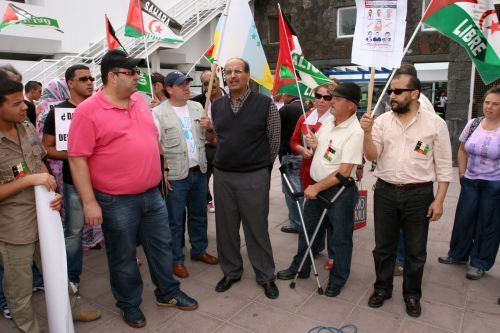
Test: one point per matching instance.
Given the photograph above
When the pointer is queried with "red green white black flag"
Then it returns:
(15, 15)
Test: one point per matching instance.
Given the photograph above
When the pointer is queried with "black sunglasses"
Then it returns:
(325, 97)
(132, 72)
(398, 91)
(86, 78)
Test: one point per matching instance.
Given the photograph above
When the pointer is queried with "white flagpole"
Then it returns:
(196, 63)
(394, 70)
(147, 64)
(294, 71)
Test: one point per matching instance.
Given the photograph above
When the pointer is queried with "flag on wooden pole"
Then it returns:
(294, 74)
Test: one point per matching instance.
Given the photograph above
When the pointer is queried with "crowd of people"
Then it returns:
(141, 173)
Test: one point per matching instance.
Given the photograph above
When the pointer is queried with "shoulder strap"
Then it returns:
(474, 126)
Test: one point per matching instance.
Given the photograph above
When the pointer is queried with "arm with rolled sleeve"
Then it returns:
(273, 131)
(443, 167)
(81, 145)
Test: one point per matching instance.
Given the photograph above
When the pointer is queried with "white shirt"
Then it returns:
(185, 120)
(337, 145)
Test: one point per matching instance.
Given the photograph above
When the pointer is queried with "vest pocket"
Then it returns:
(174, 168)
(171, 138)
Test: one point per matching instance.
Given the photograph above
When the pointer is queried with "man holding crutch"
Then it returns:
(338, 148)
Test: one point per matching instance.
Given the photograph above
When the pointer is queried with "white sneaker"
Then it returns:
(211, 207)
(6, 312)
(474, 273)
(39, 288)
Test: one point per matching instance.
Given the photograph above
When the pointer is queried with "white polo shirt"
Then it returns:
(336, 145)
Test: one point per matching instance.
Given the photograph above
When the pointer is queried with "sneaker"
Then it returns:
(398, 270)
(75, 286)
(39, 288)
(328, 265)
(211, 207)
(86, 315)
(449, 260)
(6, 312)
(474, 273)
(181, 302)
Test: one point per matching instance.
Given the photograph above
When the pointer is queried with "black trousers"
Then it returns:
(404, 209)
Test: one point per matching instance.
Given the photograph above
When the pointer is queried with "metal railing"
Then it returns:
(192, 14)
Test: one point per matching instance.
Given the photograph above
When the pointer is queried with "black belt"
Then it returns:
(404, 187)
(195, 168)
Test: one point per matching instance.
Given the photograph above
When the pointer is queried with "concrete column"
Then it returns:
(459, 78)
(154, 62)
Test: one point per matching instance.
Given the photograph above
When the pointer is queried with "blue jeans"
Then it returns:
(340, 217)
(3, 301)
(73, 229)
(476, 231)
(127, 218)
(293, 176)
(190, 192)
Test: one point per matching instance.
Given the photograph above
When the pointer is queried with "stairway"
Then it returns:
(192, 14)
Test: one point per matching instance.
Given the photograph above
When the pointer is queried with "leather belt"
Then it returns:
(404, 187)
(195, 168)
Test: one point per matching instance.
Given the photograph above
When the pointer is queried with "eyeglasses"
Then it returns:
(235, 72)
(398, 91)
(86, 78)
(131, 72)
(325, 97)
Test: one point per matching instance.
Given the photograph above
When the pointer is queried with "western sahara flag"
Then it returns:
(474, 25)
(290, 57)
(146, 19)
(15, 15)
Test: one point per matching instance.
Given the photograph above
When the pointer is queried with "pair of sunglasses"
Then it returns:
(397, 91)
(325, 97)
(86, 78)
(132, 72)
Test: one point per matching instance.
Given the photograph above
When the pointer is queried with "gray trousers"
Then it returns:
(243, 198)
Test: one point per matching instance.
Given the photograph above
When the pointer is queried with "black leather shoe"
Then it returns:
(377, 299)
(181, 302)
(413, 307)
(287, 274)
(225, 284)
(289, 230)
(134, 317)
(332, 290)
(271, 290)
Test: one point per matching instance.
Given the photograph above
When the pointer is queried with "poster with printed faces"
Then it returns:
(63, 120)
(379, 25)
(379, 33)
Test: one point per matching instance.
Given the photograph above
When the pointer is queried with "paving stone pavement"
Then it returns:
(450, 302)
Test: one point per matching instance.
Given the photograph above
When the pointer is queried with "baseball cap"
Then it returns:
(176, 77)
(117, 59)
(348, 90)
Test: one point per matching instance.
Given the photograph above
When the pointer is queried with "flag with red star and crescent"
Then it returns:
(141, 22)
(474, 25)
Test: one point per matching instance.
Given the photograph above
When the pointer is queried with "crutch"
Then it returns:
(346, 182)
(284, 169)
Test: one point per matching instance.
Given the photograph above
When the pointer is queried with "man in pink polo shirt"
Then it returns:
(115, 162)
